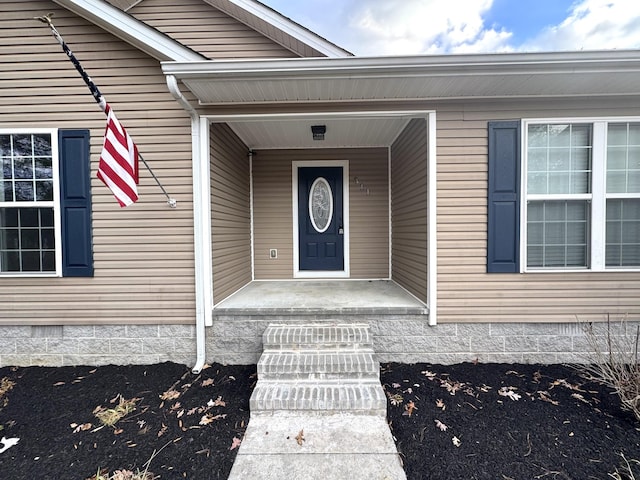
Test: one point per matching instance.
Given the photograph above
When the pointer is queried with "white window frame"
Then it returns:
(597, 198)
(55, 204)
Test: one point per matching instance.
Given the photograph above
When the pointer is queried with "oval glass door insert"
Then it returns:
(320, 204)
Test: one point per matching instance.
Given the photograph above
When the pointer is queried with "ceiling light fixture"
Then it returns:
(318, 131)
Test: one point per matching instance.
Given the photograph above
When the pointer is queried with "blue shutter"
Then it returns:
(75, 203)
(503, 242)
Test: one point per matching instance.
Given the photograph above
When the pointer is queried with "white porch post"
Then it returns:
(432, 223)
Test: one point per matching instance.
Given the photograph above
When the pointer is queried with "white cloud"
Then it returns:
(406, 27)
(593, 25)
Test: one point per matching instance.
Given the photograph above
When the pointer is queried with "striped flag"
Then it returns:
(118, 167)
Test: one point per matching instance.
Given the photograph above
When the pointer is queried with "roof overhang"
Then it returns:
(366, 79)
(131, 30)
(274, 25)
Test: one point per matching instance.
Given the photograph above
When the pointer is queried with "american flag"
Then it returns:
(118, 167)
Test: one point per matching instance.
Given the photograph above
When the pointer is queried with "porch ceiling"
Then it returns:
(284, 132)
(359, 79)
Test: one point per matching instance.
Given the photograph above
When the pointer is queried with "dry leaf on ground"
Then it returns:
(430, 375)
(580, 397)
(81, 428)
(218, 402)
(395, 399)
(544, 396)
(409, 408)
(510, 393)
(300, 437)
(235, 443)
(441, 425)
(208, 418)
(163, 430)
(170, 395)
(452, 387)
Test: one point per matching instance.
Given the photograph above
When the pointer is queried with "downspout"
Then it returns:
(202, 254)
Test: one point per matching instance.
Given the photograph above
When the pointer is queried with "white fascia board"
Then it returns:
(132, 31)
(424, 65)
(291, 28)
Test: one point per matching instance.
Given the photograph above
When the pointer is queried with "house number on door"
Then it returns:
(320, 204)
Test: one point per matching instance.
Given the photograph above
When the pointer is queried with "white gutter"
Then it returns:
(131, 30)
(432, 221)
(201, 223)
(416, 65)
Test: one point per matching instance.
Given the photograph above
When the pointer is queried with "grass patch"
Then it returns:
(111, 416)
(128, 474)
(5, 387)
(123, 475)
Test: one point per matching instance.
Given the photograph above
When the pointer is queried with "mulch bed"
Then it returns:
(466, 421)
(509, 421)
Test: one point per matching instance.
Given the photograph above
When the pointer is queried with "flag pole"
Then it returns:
(96, 93)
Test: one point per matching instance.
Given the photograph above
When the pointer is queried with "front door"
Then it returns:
(320, 219)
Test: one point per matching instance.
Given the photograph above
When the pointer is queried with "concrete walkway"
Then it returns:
(318, 411)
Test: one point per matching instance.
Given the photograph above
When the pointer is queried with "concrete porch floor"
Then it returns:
(322, 296)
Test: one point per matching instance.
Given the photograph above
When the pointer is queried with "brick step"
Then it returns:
(358, 397)
(318, 336)
(317, 365)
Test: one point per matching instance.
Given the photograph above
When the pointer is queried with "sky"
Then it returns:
(411, 27)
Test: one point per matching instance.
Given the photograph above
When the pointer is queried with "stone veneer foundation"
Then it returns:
(238, 340)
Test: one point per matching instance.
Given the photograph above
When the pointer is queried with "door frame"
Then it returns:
(297, 273)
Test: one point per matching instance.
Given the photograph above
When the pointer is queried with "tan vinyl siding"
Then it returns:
(231, 212)
(122, 4)
(466, 293)
(143, 254)
(369, 212)
(409, 209)
(273, 216)
(207, 30)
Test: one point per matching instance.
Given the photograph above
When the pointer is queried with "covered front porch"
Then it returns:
(264, 182)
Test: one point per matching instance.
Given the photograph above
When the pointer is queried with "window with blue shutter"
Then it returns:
(503, 235)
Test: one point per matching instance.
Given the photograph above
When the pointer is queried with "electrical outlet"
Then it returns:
(273, 253)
